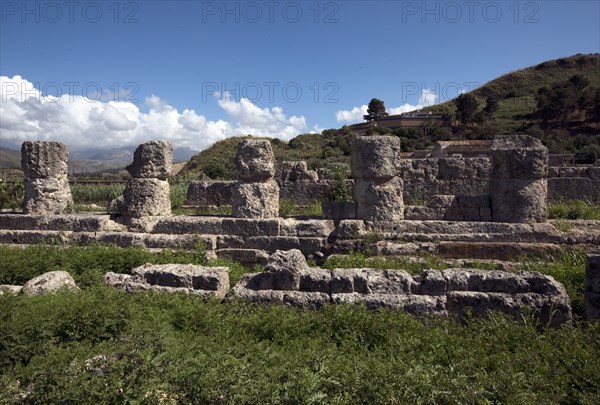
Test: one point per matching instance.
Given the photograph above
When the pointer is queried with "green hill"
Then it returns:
(515, 93)
(9, 158)
(217, 162)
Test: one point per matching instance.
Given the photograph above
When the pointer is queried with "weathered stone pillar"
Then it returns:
(591, 309)
(518, 179)
(148, 192)
(46, 185)
(256, 194)
(377, 188)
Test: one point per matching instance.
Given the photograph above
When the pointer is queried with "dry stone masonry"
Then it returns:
(256, 194)
(147, 194)
(518, 187)
(188, 278)
(288, 279)
(377, 188)
(46, 186)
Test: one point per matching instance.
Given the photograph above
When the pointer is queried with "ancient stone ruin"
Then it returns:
(518, 188)
(187, 278)
(377, 188)
(46, 186)
(147, 194)
(288, 279)
(474, 209)
(256, 194)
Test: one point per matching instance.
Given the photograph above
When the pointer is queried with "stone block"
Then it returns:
(189, 225)
(423, 213)
(375, 157)
(337, 211)
(146, 197)
(254, 160)
(518, 156)
(518, 200)
(250, 226)
(315, 280)
(49, 282)
(47, 196)
(379, 201)
(433, 283)
(244, 256)
(209, 193)
(41, 160)
(285, 268)
(306, 228)
(256, 200)
(152, 159)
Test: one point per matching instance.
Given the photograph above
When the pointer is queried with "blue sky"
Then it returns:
(105, 74)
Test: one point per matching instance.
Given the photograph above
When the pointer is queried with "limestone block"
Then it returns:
(152, 160)
(518, 156)
(146, 197)
(47, 195)
(286, 268)
(200, 280)
(375, 157)
(379, 201)
(256, 200)
(49, 282)
(254, 160)
(518, 200)
(44, 159)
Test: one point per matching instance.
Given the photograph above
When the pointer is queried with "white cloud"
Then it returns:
(427, 98)
(254, 120)
(354, 115)
(83, 123)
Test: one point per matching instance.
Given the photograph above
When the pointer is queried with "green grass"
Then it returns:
(574, 209)
(288, 208)
(107, 346)
(568, 268)
(99, 194)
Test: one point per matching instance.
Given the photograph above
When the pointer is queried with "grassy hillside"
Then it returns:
(516, 95)
(217, 162)
(516, 90)
(10, 158)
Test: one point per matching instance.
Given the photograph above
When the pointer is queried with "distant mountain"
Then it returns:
(9, 158)
(124, 154)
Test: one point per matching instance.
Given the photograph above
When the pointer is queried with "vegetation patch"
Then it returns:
(574, 209)
(107, 346)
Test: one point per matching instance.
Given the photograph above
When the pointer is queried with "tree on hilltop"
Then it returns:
(375, 110)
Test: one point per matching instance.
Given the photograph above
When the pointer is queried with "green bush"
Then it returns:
(106, 346)
(338, 174)
(11, 195)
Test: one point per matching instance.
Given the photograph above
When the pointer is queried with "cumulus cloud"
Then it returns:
(427, 98)
(84, 123)
(354, 115)
(254, 120)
